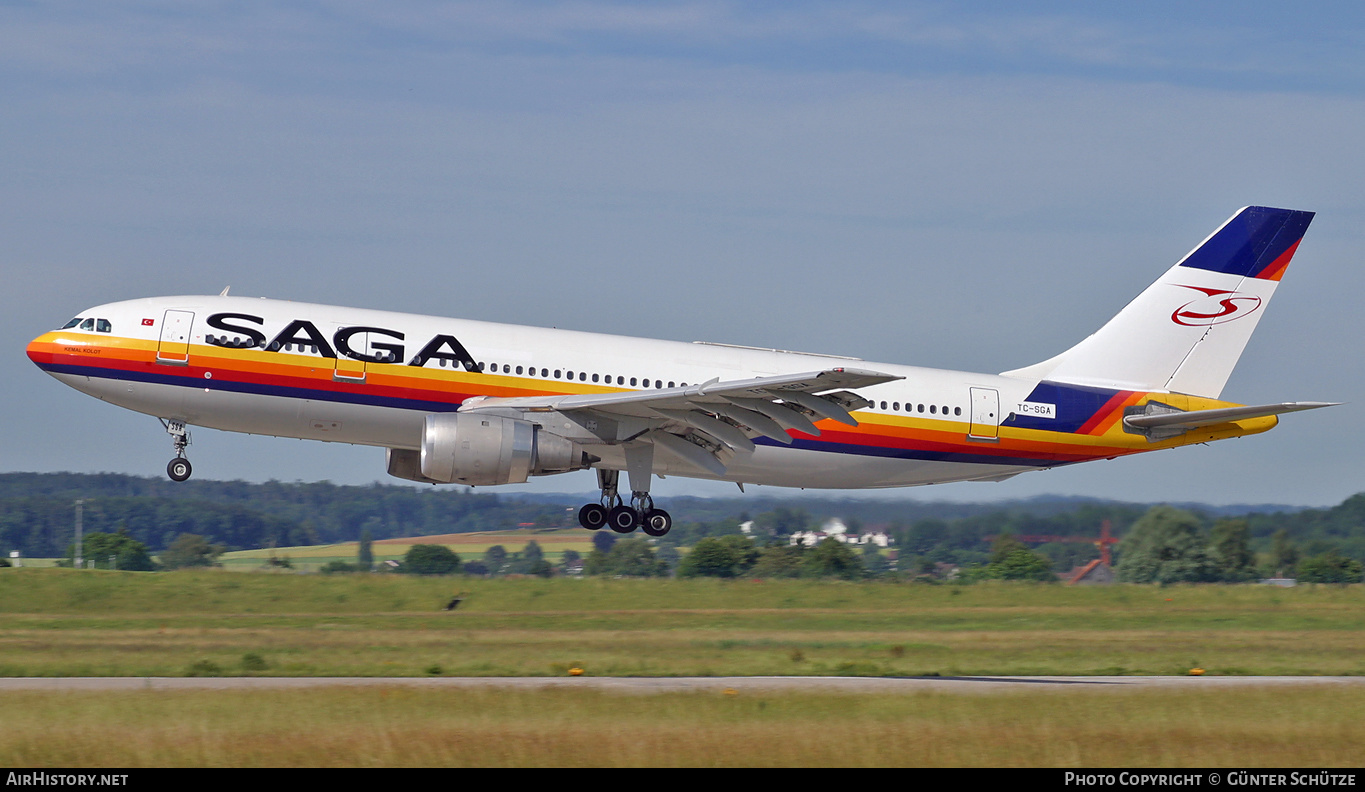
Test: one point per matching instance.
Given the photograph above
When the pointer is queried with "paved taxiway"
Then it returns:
(981, 684)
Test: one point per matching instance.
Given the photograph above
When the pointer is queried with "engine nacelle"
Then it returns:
(485, 450)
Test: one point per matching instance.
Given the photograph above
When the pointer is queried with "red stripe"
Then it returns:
(1275, 270)
(1114, 403)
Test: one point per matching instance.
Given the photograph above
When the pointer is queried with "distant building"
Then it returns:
(1095, 573)
(836, 529)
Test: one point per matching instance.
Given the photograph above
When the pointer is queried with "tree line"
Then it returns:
(36, 516)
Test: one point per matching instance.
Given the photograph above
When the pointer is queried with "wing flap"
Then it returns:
(705, 425)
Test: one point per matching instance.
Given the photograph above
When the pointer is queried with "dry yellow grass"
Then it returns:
(391, 727)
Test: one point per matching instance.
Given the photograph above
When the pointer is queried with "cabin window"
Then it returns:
(957, 411)
(896, 406)
(671, 385)
(88, 324)
(920, 408)
(72, 323)
(594, 378)
(933, 410)
(558, 372)
(632, 382)
(518, 369)
(103, 326)
(583, 376)
(883, 405)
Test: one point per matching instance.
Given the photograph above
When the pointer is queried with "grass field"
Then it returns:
(469, 546)
(395, 727)
(58, 622)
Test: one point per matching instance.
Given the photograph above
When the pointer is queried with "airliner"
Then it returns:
(480, 403)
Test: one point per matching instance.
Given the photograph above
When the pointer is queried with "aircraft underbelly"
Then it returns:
(340, 422)
(306, 419)
(803, 468)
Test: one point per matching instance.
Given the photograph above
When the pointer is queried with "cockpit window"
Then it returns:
(71, 323)
(103, 326)
(88, 324)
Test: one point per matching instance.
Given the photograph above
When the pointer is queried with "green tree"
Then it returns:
(1021, 563)
(1004, 545)
(336, 567)
(783, 521)
(632, 557)
(832, 558)
(717, 557)
(495, 558)
(1284, 556)
(924, 537)
(190, 550)
(603, 541)
(365, 555)
(779, 561)
(1230, 549)
(1165, 546)
(116, 551)
(874, 563)
(532, 561)
(1330, 567)
(430, 560)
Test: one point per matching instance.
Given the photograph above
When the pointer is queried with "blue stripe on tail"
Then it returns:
(1250, 242)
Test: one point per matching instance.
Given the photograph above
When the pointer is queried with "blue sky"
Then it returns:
(908, 182)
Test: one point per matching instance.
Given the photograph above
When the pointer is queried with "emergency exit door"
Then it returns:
(985, 414)
(174, 345)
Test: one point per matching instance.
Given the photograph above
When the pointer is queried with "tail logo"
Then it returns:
(1215, 307)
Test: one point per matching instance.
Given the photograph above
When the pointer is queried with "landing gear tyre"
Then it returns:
(657, 522)
(592, 516)
(623, 519)
(179, 469)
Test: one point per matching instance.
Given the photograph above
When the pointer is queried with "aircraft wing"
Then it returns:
(1196, 418)
(702, 423)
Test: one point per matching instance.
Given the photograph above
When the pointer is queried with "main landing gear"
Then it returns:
(179, 469)
(611, 512)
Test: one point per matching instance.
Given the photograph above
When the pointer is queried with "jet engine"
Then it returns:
(484, 450)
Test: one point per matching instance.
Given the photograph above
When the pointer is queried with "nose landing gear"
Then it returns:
(179, 469)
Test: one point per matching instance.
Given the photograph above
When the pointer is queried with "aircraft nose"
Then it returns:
(37, 349)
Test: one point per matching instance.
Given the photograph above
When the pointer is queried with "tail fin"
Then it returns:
(1187, 330)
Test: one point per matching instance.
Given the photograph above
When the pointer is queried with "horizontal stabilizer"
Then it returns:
(1197, 418)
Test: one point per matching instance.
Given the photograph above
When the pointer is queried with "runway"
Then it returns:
(894, 685)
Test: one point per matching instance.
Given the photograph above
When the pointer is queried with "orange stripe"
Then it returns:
(1277, 267)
